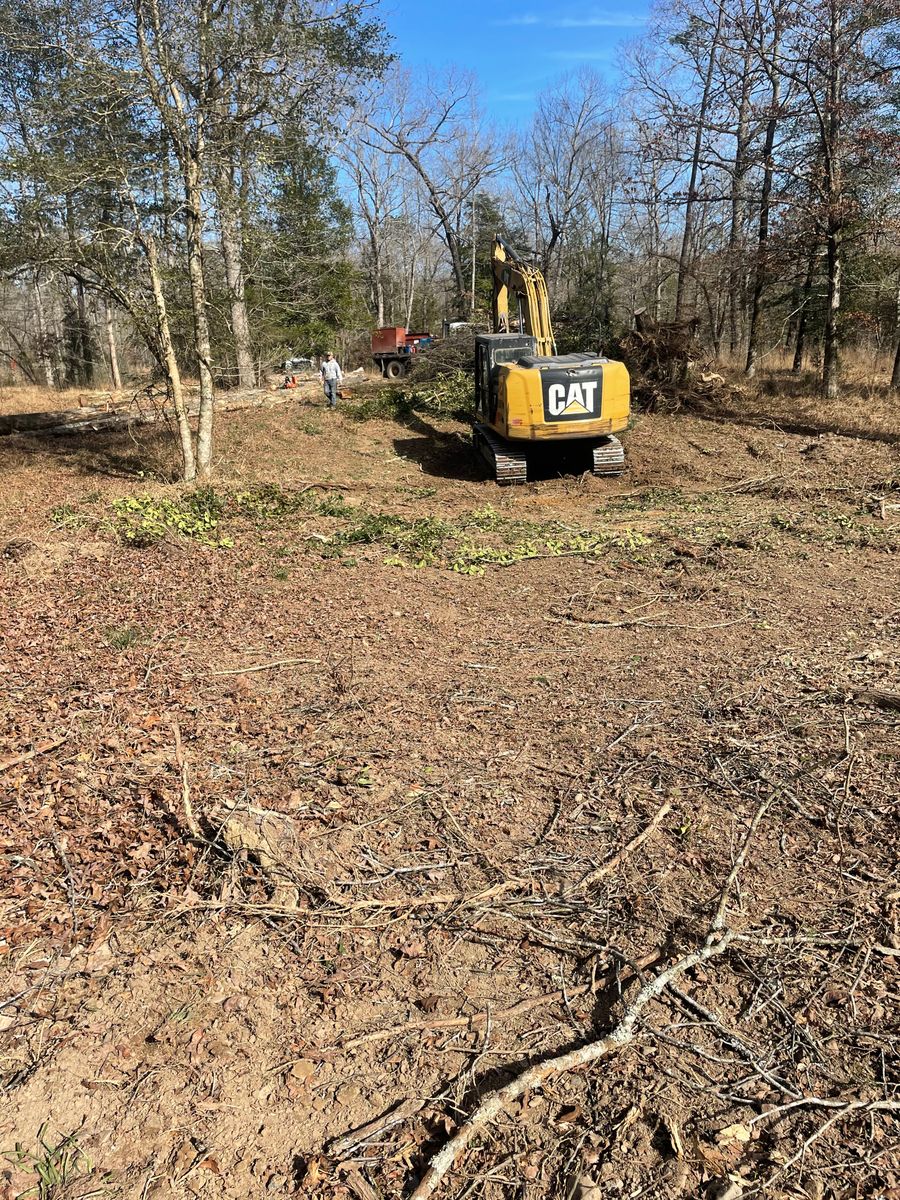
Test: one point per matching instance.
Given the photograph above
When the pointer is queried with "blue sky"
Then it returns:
(515, 48)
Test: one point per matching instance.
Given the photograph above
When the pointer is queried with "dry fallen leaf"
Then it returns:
(725, 1189)
(734, 1133)
(569, 1115)
(313, 1175)
(587, 1189)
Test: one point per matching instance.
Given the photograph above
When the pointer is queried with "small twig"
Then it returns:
(41, 748)
(643, 623)
(719, 919)
(70, 882)
(855, 1106)
(748, 484)
(342, 1145)
(476, 1020)
(281, 662)
(610, 866)
(732, 1040)
(189, 818)
(535, 1077)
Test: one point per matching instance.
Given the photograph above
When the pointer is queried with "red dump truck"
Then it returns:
(394, 346)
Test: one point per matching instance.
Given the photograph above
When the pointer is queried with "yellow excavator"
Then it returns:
(529, 400)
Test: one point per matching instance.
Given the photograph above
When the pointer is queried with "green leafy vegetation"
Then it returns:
(467, 544)
(449, 396)
(66, 516)
(58, 1168)
(144, 520)
(123, 637)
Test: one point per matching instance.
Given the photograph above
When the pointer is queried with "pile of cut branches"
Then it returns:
(445, 357)
(662, 358)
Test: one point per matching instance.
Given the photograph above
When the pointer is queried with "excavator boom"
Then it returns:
(524, 284)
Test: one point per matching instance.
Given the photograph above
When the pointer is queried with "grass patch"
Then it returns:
(122, 637)
(61, 1169)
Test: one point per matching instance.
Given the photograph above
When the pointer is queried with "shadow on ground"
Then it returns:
(125, 454)
(452, 456)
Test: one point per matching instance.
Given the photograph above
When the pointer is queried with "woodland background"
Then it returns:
(197, 192)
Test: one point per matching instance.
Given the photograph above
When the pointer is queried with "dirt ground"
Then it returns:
(334, 810)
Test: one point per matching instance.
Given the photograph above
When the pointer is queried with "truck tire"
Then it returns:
(394, 369)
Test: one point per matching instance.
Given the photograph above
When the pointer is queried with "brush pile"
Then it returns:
(663, 358)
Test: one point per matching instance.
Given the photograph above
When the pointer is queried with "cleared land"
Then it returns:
(319, 783)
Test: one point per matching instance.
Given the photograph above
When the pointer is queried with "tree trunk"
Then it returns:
(762, 252)
(736, 274)
(831, 360)
(83, 351)
(800, 348)
(115, 374)
(684, 256)
(377, 274)
(411, 291)
(895, 375)
(43, 348)
(202, 348)
(832, 151)
(170, 359)
(233, 257)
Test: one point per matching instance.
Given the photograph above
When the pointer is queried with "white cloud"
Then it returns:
(512, 97)
(527, 19)
(593, 19)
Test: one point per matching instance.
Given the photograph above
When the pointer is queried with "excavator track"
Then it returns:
(609, 457)
(507, 465)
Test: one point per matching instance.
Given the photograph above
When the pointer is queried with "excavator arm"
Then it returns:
(522, 284)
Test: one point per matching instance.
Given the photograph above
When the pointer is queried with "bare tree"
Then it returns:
(438, 130)
(769, 30)
(557, 162)
(836, 60)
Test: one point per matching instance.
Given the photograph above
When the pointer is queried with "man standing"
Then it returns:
(331, 377)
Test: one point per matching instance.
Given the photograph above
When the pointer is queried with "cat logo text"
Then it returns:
(570, 399)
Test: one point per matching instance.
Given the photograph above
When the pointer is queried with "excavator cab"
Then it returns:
(491, 351)
(527, 393)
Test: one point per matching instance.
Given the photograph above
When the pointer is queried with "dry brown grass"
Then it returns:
(867, 407)
(28, 398)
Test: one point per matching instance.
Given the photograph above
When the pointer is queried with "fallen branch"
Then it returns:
(342, 1145)
(477, 1020)
(7, 764)
(189, 818)
(873, 696)
(719, 918)
(608, 867)
(642, 623)
(535, 1077)
(281, 662)
(360, 1187)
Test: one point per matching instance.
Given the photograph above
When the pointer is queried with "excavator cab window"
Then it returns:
(492, 350)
